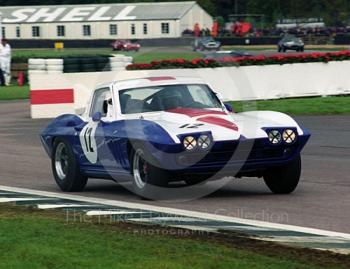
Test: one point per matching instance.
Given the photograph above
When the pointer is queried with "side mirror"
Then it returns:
(229, 107)
(97, 117)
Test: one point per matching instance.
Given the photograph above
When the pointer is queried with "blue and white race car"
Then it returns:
(158, 130)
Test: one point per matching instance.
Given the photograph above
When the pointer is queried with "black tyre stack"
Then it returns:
(86, 64)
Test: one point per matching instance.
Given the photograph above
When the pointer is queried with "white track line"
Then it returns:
(244, 228)
(344, 251)
(10, 200)
(191, 214)
(306, 239)
(176, 219)
(195, 228)
(49, 206)
(110, 212)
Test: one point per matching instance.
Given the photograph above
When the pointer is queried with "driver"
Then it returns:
(171, 100)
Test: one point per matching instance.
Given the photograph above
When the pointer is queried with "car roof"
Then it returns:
(152, 82)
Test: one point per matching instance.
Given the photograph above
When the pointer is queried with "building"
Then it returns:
(103, 21)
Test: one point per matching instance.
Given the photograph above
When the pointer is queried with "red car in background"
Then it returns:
(125, 45)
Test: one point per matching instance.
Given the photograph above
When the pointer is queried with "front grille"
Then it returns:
(243, 153)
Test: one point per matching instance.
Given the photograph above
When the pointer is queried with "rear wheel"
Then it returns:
(65, 168)
(284, 179)
(146, 175)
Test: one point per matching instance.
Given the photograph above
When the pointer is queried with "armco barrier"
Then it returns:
(233, 83)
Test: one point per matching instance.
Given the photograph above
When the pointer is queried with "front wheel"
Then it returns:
(65, 168)
(146, 176)
(284, 179)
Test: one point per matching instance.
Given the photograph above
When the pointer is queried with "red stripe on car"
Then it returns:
(48, 97)
(220, 122)
(193, 112)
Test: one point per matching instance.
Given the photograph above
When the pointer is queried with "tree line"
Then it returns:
(334, 12)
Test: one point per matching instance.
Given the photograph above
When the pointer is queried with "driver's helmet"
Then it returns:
(171, 99)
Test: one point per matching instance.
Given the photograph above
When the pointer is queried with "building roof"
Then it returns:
(98, 12)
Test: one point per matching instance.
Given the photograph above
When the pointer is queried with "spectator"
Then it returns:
(5, 62)
(2, 78)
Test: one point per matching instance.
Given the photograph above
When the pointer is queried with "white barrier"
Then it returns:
(233, 83)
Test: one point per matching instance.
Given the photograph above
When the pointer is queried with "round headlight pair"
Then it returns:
(190, 143)
(288, 136)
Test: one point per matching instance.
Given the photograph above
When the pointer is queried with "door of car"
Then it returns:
(91, 134)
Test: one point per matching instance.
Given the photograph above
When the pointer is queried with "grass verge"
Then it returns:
(332, 105)
(144, 56)
(274, 47)
(35, 239)
(14, 92)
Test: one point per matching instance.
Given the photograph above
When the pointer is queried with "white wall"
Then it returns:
(99, 30)
(233, 83)
(196, 15)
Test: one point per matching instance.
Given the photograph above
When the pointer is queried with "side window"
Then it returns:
(99, 102)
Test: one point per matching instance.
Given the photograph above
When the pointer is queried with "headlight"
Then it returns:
(190, 143)
(275, 137)
(289, 136)
(204, 142)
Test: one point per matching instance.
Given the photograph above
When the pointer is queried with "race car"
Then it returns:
(125, 45)
(158, 130)
(290, 42)
(206, 43)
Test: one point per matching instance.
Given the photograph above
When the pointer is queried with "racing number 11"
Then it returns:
(87, 138)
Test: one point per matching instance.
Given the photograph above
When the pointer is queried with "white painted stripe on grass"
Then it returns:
(10, 200)
(187, 213)
(49, 206)
(111, 212)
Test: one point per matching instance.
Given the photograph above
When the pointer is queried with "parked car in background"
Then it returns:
(229, 53)
(291, 42)
(206, 43)
(125, 45)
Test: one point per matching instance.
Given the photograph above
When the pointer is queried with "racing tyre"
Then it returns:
(284, 179)
(65, 167)
(146, 176)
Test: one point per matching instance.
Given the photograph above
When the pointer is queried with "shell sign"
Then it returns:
(68, 14)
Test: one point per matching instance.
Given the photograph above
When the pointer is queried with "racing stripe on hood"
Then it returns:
(207, 116)
(219, 121)
(193, 112)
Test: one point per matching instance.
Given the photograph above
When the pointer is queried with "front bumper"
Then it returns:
(231, 157)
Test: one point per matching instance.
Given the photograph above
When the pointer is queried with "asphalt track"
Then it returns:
(321, 201)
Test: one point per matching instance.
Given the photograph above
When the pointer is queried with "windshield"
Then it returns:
(291, 39)
(163, 98)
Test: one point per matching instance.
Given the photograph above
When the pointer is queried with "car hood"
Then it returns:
(223, 126)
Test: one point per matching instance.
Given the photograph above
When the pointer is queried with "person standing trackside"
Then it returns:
(2, 78)
(5, 63)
